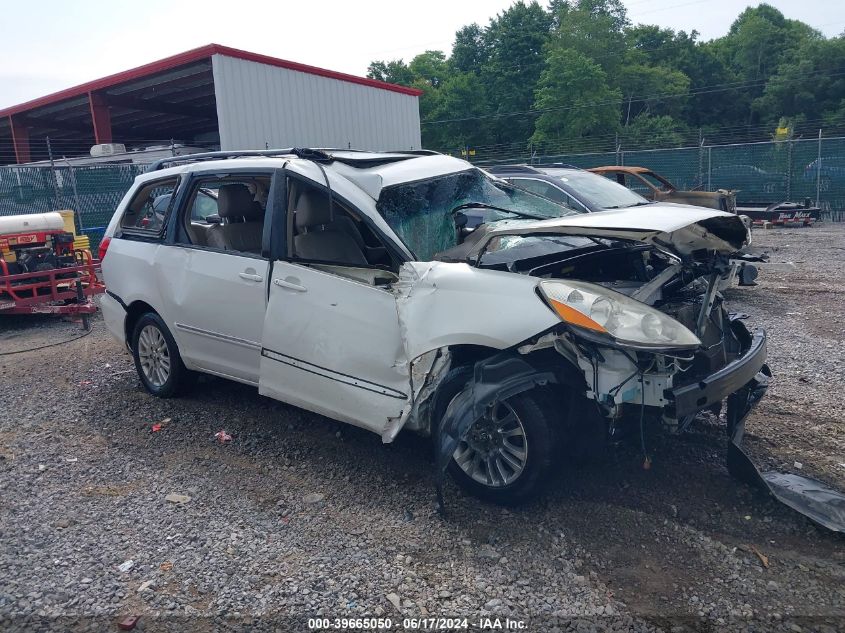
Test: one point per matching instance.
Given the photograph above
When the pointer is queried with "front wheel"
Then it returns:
(506, 456)
(157, 358)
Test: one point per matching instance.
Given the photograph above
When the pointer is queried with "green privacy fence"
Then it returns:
(93, 192)
(777, 171)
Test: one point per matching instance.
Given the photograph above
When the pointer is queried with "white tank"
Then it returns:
(31, 222)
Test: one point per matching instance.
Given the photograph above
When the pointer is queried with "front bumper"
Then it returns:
(713, 389)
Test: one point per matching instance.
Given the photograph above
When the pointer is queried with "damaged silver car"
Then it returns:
(352, 284)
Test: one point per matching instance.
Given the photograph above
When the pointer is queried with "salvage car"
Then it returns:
(655, 187)
(351, 284)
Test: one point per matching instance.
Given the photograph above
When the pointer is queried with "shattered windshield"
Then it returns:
(421, 212)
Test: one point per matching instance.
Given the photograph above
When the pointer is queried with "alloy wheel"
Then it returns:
(154, 355)
(495, 451)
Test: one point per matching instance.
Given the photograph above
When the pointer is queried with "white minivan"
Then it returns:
(351, 284)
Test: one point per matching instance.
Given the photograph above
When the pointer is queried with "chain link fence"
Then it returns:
(790, 170)
(794, 170)
(92, 192)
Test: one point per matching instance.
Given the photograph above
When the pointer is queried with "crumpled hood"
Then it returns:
(681, 229)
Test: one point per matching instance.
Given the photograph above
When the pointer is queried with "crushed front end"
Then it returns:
(679, 376)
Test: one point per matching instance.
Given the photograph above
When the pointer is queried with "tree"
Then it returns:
(394, 72)
(429, 67)
(646, 131)
(759, 41)
(469, 52)
(811, 86)
(459, 116)
(515, 40)
(652, 90)
(574, 98)
(595, 28)
(667, 85)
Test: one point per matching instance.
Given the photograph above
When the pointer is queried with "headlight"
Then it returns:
(609, 312)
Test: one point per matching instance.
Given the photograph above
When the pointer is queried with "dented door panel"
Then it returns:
(331, 344)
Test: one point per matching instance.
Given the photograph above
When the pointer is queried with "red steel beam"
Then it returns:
(101, 117)
(20, 140)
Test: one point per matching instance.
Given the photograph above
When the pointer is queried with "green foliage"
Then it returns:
(580, 70)
(647, 132)
(574, 97)
(515, 41)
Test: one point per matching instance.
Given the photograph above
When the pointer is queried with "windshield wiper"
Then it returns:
(628, 206)
(484, 205)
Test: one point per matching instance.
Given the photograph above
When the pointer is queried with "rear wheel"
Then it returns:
(157, 359)
(506, 456)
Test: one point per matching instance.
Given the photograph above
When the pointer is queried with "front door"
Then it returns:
(332, 345)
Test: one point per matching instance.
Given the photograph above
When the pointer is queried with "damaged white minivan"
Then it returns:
(351, 284)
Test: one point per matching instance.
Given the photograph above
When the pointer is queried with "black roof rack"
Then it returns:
(299, 152)
(321, 154)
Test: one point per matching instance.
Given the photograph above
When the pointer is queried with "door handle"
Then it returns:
(250, 276)
(290, 285)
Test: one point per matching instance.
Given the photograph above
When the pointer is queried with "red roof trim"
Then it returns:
(194, 55)
(313, 70)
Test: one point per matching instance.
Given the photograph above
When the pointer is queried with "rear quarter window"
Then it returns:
(149, 208)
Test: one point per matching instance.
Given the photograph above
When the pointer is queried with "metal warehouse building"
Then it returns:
(215, 96)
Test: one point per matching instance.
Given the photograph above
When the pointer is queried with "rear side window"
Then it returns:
(147, 212)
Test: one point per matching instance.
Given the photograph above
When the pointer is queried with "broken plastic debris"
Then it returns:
(814, 499)
(158, 426)
(177, 498)
(222, 436)
(128, 623)
(125, 566)
(798, 465)
(146, 585)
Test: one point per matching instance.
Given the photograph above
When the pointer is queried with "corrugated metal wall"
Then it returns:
(262, 106)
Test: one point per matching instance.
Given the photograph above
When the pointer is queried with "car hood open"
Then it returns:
(679, 228)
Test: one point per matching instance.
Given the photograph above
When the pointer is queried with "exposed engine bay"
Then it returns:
(629, 378)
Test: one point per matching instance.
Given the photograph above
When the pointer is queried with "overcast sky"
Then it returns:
(48, 45)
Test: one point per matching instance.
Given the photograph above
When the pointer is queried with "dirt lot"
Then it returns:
(302, 517)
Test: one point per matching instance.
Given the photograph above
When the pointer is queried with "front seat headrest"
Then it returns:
(312, 209)
(235, 201)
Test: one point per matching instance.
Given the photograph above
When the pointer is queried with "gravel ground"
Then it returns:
(300, 517)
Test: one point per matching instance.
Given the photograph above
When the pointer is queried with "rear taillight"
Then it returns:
(104, 246)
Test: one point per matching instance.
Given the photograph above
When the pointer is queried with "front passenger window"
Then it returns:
(326, 231)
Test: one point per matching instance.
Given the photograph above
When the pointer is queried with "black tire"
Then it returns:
(177, 375)
(540, 422)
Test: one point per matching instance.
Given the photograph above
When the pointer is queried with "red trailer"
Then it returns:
(41, 272)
